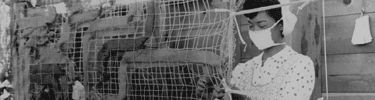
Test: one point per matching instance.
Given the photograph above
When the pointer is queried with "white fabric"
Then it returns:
(362, 34)
(61, 8)
(6, 83)
(285, 76)
(78, 91)
(34, 2)
(289, 19)
(127, 2)
(263, 39)
(5, 95)
(5, 17)
(4, 36)
(107, 4)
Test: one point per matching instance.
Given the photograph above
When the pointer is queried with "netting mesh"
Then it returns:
(149, 49)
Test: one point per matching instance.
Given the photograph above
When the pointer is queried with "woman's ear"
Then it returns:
(281, 26)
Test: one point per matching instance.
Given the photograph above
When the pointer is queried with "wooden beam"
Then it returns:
(350, 96)
(340, 46)
(339, 33)
(361, 83)
(84, 16)
(166, 55)
(36, 17)
(113, 22)
(34, 22)
(351, 64)
(150, 19)
(347, 7)
(351, 73)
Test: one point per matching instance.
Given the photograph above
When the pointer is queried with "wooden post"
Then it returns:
(307, 40)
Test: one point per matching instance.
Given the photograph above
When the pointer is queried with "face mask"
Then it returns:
(263, 39)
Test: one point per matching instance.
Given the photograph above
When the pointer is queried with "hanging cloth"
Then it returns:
(362, 33)
(289, 18)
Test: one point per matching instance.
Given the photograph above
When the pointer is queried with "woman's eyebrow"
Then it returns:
(261, 21)
(250, 23)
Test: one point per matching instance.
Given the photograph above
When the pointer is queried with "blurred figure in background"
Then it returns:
(78, 90)
(47, 93)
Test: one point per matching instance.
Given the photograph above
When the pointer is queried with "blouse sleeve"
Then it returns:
(236, 74)
(299, 81)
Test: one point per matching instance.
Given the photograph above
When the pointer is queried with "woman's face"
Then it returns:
(263, 21)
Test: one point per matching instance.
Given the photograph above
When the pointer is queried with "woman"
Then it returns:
(78, 90)
(278, 72)
(47, 93)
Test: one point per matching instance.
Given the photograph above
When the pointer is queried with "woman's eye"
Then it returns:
(251, 26)
(264, 26)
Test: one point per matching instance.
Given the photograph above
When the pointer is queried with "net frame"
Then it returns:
(180, 29)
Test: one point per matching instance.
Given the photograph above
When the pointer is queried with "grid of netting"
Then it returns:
(38, 61)
(148, 49)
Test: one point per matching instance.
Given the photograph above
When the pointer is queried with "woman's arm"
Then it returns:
(299, 81)
(218, 91)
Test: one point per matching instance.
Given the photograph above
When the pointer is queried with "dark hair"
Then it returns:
(252, 4)
(77, 79)
(273, 13)
(47, 86)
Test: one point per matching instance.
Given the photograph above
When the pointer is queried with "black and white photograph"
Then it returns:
(187, 50)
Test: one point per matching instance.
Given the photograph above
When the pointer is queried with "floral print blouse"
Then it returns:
(286, 75)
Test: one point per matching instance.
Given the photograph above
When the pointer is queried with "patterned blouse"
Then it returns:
(286, 75)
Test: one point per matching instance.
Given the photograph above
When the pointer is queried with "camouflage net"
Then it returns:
(121, 49)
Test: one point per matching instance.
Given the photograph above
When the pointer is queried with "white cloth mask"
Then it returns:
(263, 39)
(362, 32)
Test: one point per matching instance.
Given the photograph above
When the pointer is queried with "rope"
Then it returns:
(325, 50)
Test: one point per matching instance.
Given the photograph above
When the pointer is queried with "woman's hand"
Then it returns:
(218, 92)
(209, 88)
